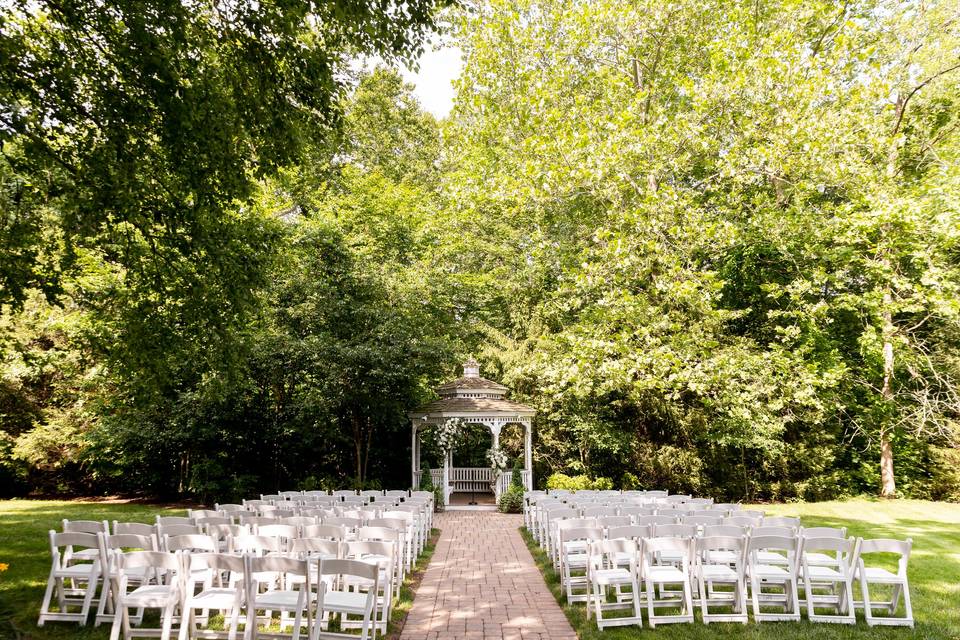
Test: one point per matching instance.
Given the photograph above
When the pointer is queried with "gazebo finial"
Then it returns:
(471, 368)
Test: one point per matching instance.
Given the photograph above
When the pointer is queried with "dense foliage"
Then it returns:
(717, 246)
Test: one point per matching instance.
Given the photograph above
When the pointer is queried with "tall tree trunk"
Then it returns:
(888, 485)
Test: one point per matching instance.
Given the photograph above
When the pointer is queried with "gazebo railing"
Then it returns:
(436, 476)
(504, 479)
(463, 479)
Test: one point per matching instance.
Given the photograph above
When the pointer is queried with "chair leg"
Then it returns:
(47, 596)
(167, 621)
(88, 599)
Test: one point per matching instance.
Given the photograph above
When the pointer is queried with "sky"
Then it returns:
(439, 67)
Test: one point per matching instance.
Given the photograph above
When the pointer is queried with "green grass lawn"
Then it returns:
(24, 546)
(934, 573)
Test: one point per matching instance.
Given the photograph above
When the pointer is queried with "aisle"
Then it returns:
(482, 583)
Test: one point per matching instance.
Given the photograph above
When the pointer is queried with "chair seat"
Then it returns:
(816, 558)
(665, 574)
(216, 598)
(278, 599)
(345, 601)
(770, 572)
(772, 557)
(876, 574)
(723, 557)
(575, 546)
(78, 570)
(612, 576)
(823, 573)
(151, 596)
(718, 572)
(576, 560)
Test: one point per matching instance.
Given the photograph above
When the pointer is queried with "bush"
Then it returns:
(426, 480)
(578, 483)
(438, 504)
(516, 480)
(629, 482)
(511, 500)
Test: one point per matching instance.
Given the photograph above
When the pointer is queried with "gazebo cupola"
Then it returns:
(476, 400)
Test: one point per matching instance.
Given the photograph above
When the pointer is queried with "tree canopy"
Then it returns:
(717, 246)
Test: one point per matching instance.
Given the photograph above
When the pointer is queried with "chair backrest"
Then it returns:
(782, 521)
(271, 497)
(614, 521)
(285, 531)
(580, 533)
(290, 495)
(656, 520)
(70, 539)
(85, 526)
(193, 542)
(389, 523)
(216, 561)
(824, 532)
(364, 549)
(350, 523)
(316, 547)
(300, 521)
(136, 528)
(678, 497)
(707, 544)
(206, 521)
(724, 530)
(345, 492)
(841, 547)
(255, 544)
(751, 513)
(177, 530)
(336, 567)
(682, 546)
(764, 530)
(253, 519)
(378, 533)
(609, 553)
(636, 510)
(194, 514)
(576, 523)
(701, 520)
(675, 530)
(590, 512)
(129, 541)
(788, 545)
(165, 565)
(228, 508)
(326, 531)
(743, 521)
(170, 520)
(884, 545)
(279, 564)
(359, 514)
(630, 532)
(700, 501)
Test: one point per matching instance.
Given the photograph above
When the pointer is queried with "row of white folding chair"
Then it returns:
(84, 577)
(194, 582)
(736, 560)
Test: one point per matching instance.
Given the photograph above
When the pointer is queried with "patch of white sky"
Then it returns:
(438, 67)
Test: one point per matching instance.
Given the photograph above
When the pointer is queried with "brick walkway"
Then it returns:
(482, 583)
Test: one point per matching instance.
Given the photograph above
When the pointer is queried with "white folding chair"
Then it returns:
(882, 576)
(135, 528)
(836, 578)
(337, 596)
(85, 526)
(660, 576)
(213, 595)
(714, 568)
(573, 548)
(109, 546)
(291, 596)
(74, 580)
(777, 575)
(606, 571)
(381, 555)
(164, 594)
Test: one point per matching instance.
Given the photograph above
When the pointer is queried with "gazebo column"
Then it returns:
(447, 462)
(527, 454)
(414, 456)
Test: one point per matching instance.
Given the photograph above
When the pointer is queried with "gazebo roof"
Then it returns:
(471, 396)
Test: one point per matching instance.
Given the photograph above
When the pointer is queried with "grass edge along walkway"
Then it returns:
(934, 573)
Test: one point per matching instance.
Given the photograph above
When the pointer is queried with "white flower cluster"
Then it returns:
(449, 432)
(497, 458)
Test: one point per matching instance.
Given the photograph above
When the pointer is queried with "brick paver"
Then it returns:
(482, 583)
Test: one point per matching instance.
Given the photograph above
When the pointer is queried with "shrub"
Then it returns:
(438, 504)
(629, 482)
(516, 480)
(511, 500)
(426, 480)
(577, 483)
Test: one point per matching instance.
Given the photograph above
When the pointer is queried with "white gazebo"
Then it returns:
(475, 400)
